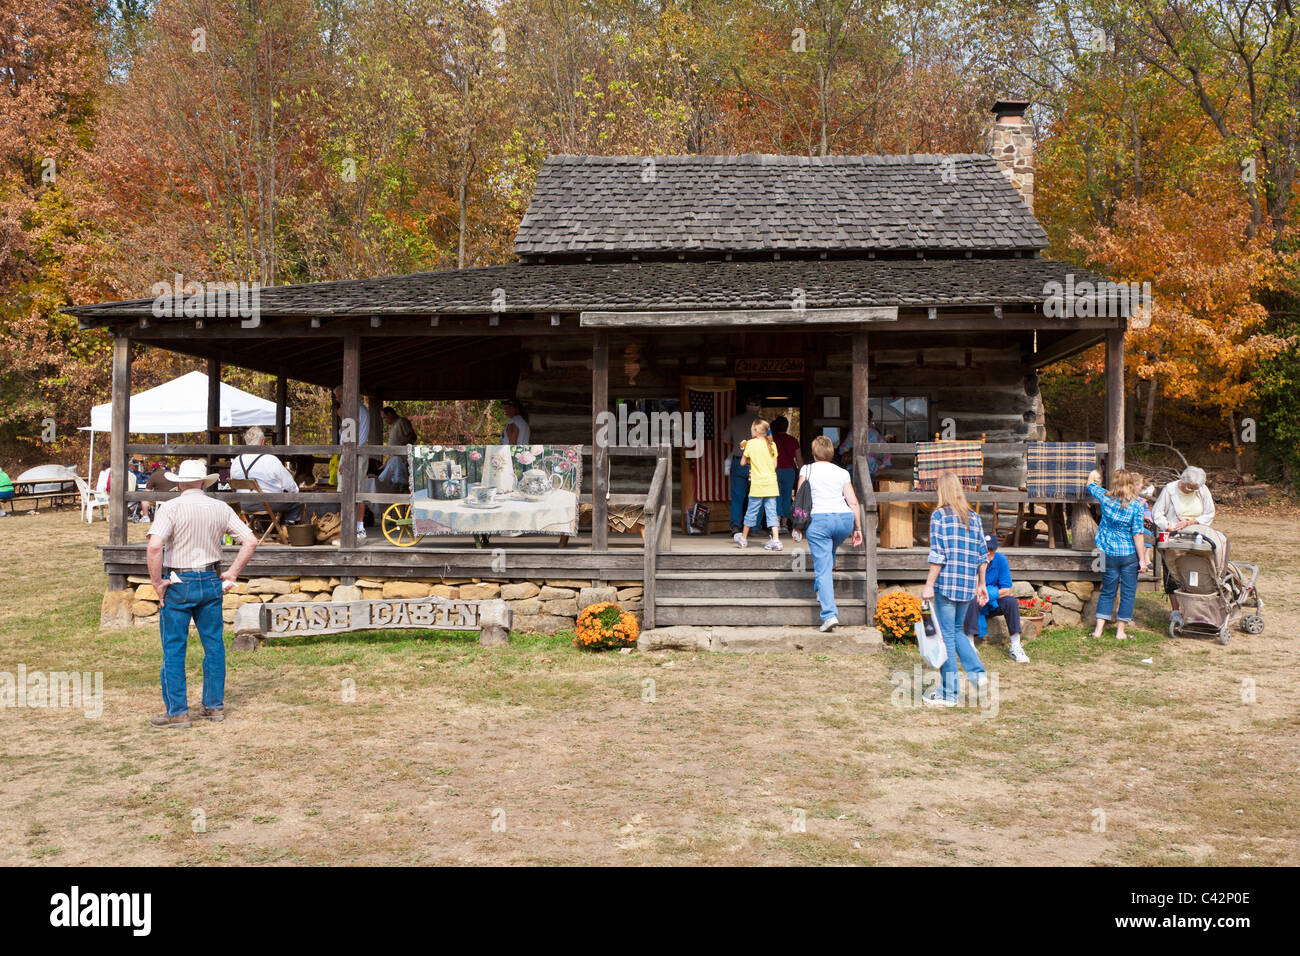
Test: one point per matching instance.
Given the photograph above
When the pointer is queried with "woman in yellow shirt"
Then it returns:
(760, 456)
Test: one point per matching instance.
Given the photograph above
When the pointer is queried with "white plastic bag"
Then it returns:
(928, 639)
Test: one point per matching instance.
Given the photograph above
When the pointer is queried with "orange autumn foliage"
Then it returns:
(1208, 331)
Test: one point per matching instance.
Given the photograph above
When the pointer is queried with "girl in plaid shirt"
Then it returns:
(958, 558)
(1123, 547)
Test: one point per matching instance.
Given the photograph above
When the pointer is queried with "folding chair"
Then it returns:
(90, 500)
(1005, 516)
(255, 518)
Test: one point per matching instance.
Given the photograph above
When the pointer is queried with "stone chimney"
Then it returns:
(1011, 143)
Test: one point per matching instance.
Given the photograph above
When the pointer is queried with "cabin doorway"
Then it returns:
(705, 476)
(778, 398)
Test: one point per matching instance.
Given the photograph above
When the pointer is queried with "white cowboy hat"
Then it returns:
(192, 469)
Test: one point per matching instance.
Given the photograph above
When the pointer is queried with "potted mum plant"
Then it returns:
(1033, 611)
(605, 626)
(896, 613)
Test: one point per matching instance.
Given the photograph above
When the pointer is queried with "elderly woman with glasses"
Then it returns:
(1184, 503)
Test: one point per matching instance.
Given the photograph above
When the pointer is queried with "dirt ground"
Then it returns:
(1149, 751)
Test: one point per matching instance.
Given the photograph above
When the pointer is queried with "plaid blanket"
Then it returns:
(1059, 469)
(933, 458)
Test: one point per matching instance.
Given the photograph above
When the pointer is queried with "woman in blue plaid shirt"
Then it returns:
(1123, 547)
(958, 558)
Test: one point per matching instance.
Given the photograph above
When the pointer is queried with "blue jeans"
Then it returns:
(826, 532)
(739, 491)
(1118, 573)
(949, 615)
(291, 512)
(785, 500)
(1006, 605)
(768, 505)
(198, 596)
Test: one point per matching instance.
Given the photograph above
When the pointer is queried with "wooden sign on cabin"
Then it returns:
(256, 622)
(769, 366)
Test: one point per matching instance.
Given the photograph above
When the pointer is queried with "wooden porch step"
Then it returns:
(741, 611)
(748, 561)
(752, 585)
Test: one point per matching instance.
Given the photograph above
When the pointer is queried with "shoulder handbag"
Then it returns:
(801, 510)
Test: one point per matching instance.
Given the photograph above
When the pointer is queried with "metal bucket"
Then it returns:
(301, 535)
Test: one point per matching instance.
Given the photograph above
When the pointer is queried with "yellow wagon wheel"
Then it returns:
(399, 526)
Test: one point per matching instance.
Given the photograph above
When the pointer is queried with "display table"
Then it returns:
(554, 514)
(896, 529)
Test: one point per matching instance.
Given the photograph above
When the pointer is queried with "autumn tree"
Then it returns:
(50, 76)
(215, 130)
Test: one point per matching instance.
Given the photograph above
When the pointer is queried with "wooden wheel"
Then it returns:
(398, 525)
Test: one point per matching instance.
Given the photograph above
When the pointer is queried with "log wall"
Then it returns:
(984, 390)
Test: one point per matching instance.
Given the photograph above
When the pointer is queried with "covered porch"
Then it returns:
(380, 359)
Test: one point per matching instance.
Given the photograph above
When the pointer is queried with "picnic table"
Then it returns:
(67, 491)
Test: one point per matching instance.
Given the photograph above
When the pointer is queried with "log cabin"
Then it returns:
(912, 287)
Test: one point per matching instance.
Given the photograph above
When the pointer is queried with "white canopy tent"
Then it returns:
(180, 407)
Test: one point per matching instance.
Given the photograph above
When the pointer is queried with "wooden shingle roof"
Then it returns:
(657, 285)
(605, 205)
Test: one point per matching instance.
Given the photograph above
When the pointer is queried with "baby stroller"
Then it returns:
(1212, 593)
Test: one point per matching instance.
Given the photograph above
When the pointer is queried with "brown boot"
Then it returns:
(214, 714)
(164, 722)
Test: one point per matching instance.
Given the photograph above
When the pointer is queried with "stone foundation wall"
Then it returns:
(1073, 603)
(543, 606)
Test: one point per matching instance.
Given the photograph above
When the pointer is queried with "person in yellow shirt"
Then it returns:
(760, 456)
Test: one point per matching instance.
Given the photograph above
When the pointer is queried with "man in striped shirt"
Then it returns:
(184, 556)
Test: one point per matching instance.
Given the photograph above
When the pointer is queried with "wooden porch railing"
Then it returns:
(340, 496)
(658, 528)
(974, 497)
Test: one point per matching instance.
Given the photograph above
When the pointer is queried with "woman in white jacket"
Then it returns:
(1184, 502)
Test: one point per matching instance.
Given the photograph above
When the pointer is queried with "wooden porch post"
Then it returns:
(375, 405)
(861, 471)
(349, 439)
(214, 401)
(117, 450)
(599, 449)
(1115, 396)
(281, 405)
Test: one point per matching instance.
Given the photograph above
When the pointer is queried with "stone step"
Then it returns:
(753, 639)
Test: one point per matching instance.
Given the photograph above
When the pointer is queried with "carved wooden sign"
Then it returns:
(768, 366)
(288, 620)
(255, 622)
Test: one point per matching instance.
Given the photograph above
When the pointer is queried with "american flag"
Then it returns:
(717, 405)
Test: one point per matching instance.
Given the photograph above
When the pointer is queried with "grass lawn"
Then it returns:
(539, 753)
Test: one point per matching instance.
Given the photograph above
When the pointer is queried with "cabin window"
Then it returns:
(647, 421)
(903, 418)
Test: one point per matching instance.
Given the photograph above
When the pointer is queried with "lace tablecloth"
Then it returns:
(554, 514)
